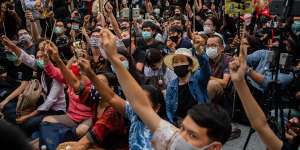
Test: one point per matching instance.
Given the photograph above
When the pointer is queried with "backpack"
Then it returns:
(27, 101)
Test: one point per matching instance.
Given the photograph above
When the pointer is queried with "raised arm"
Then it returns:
(105, 92)
(203, 75)
(113, 20)
(133, 92)
(71, 79)
(256, 116)
(34, 29)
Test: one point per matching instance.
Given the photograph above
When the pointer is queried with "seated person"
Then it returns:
(15, 82)
(219, 67)
(190, 86)
(156, 71)
(54, 103)
(108, 124)
(175, 40)
(259, 74)
(207, 126)
(78, 115)
(139, 135)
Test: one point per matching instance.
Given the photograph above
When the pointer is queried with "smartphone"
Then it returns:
(78, 53)
(77, 44)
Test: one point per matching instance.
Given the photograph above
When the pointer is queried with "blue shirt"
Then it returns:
(258, 61)
(197, 84)
(140, 136)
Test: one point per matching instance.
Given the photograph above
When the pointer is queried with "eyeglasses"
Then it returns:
(208, 24)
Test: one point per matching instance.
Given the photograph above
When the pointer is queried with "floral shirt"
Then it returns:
(163, 138)
(139, 135)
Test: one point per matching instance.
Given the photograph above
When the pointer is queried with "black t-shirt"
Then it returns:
(139, 56)
(185, 100)
(31, 50)
(17, 74)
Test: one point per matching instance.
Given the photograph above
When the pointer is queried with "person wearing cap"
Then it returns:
(176, 40)
(190, 86)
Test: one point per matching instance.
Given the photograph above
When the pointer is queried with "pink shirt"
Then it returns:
(76, 111)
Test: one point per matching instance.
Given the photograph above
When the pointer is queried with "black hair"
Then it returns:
(156, 97)
(132, 69)
(123, 20)
(254, 43)
(12, 138)
(176, 29)
(153, 55)
(221, 43)
(215, 22)
(204, 36)
(178, 17)
(149, 24)
(25, 30)
(214, 118)
(111, 78)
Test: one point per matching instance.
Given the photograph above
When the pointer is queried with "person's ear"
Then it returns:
(113, 88)
(216, 146)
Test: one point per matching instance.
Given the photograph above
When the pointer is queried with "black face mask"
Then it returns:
(181, 71)
(126, 42)
(174, 38)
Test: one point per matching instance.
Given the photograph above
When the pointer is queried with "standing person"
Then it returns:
(207, 126)
(190, 86)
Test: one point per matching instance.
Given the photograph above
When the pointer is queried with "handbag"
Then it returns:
(27, 101)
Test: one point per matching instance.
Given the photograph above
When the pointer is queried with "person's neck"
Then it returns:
(185, 79)
(149, 42)
(29, 44)
(217, 59)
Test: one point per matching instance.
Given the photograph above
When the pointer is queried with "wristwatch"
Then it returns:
(249, 70)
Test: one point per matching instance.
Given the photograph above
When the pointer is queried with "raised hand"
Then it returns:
(52, 50)
(86, 19)
(85, 66)
(238, 67)
(197, 42)
(7, 42)
(109, 8)
(29, 15)
(108, 43)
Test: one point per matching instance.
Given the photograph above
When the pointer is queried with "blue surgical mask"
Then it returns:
(156, 11)
(12, 58)
(40, 64)
(94, 42)
(296, 25)
(125, 63)
(139, 18)
(147, 35)
(75, 27)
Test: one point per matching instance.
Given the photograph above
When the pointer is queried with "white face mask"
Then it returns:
(181, 144)
(207, 29)
(212, 52)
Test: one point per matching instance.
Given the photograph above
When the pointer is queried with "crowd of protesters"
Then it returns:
(174, 75)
